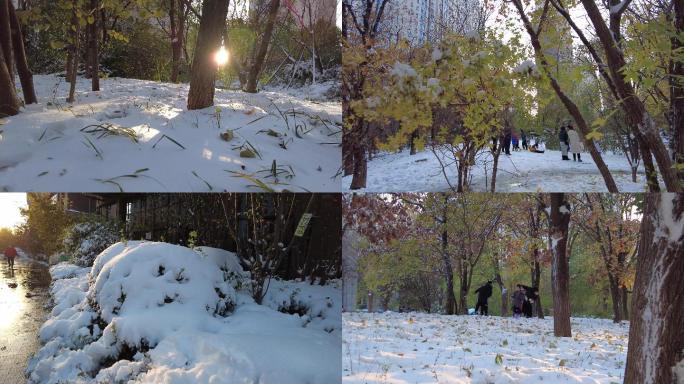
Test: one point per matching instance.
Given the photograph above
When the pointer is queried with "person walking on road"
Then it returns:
(10, 254)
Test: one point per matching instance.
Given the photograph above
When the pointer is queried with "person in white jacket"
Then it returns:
(575, 144)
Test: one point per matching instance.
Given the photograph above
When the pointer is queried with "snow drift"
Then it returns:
(138, 136)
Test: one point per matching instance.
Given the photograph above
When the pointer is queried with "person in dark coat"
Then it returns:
(483, 294)
(531, 295)
(564, 143)
(507, 143)
(523, 138)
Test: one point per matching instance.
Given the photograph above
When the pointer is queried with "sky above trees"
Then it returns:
(10, 203)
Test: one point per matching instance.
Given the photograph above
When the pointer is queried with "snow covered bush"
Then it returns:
(150, 312)
(136, 294)
(84, 241)
(318, 306)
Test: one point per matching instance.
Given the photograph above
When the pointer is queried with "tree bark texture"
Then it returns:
(6, 37)
(656, 335)
(212, 24)
(559, 220)
(257, 64)
(23, 70)
(93, 49)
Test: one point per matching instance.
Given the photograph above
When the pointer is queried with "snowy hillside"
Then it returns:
(424, 348)
(161, 313)
(523, 171)
(138, 135)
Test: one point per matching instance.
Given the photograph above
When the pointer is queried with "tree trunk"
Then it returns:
(634, 108)
(463, 289)
(571, 107)
(412, 143)
(176, 18)
(347, 142)
(255, 70)
(68, 65)
(536, 282)
(25, 74)
(203, 75)
(624, 299)
(504, 292)
(6, 38)
(651, 174)
(656, 336)
(559, 220)
(93, 49)
(496, 153)
(451, 307)
(535, 271)
(616, 297)
(360, 166)
(347, 154)
(75, 31)
(370, 302)
(9, 101)
(677, 90)
(504, 302)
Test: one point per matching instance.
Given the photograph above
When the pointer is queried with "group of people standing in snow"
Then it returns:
(511, 141)
(523, 298)
(570, 142)
(568, 138)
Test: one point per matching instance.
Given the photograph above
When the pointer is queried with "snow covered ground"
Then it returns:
(160, 313)
(427, 348)
(138, 135)
(523, 171)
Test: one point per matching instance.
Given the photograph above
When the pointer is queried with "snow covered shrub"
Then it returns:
(180, 286)
(84, 241)
(138, 293)
(318, 307)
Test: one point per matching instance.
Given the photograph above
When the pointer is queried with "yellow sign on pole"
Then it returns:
(303, 223)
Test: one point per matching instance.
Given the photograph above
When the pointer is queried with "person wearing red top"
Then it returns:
(10, 254)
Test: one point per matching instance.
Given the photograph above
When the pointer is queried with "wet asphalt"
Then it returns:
(23, 296)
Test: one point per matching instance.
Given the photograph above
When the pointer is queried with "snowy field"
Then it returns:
(523, 171)
(159, 313)
(137, 135)
(424, 348)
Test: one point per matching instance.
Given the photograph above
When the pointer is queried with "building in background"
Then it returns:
(423, 21)
(304, 12)
(308, 12)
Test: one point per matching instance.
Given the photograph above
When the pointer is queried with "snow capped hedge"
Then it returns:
(156, 312)
(138, 283)
(84, 241)
(138, 293)
(318, 306)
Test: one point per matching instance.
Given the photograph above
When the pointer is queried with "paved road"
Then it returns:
(21, 314)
